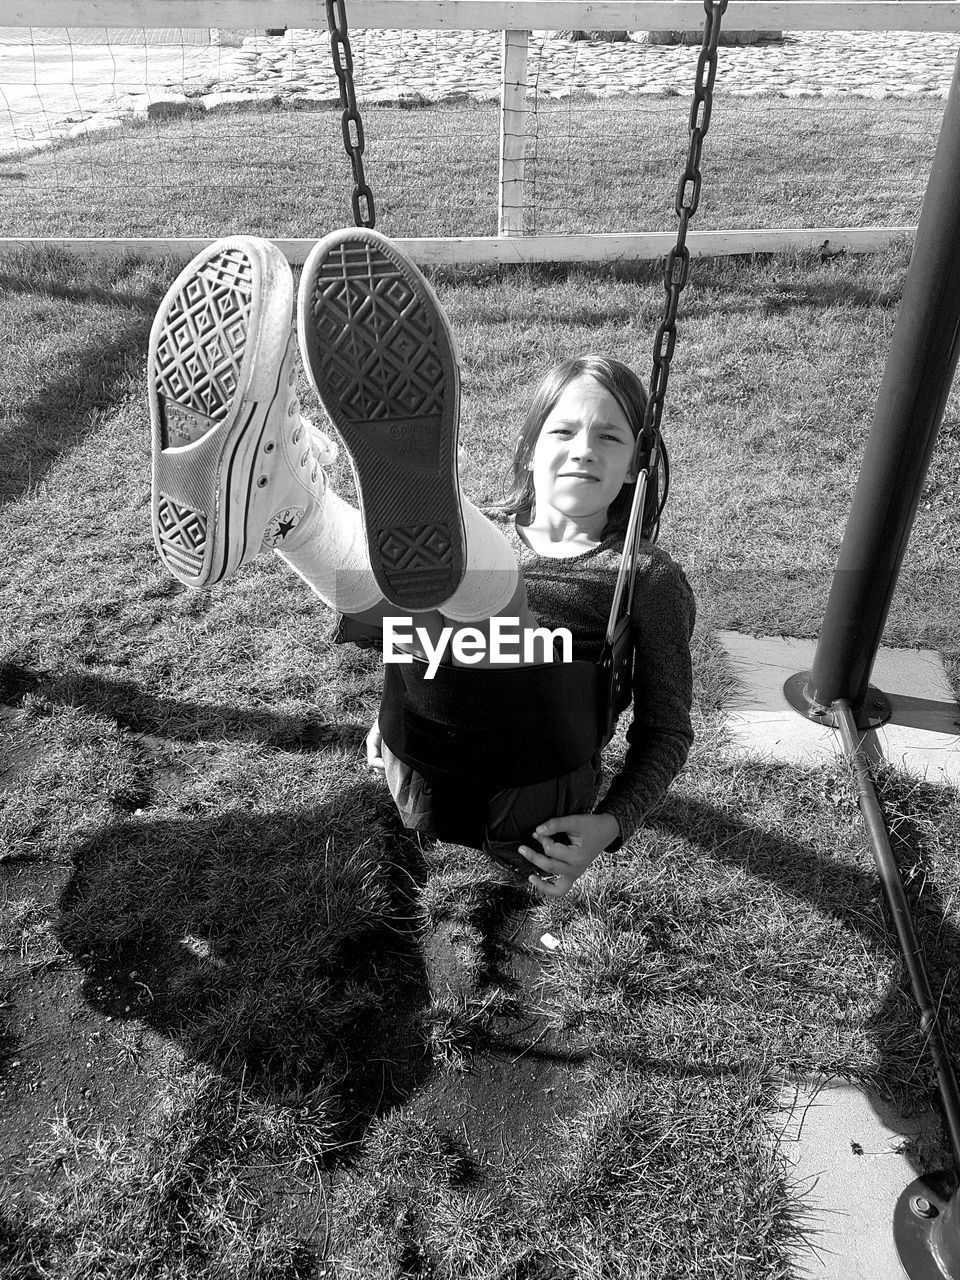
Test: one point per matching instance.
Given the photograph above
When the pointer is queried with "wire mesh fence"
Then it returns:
(192, 135)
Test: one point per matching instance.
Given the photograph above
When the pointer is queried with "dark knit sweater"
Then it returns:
(576, 593)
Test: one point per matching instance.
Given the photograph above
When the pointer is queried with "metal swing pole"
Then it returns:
(836, 691)
(916, 382)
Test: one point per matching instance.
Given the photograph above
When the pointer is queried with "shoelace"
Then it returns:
(293, 411)
(320, 448)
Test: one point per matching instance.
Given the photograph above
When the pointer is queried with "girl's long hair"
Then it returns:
(628, 391)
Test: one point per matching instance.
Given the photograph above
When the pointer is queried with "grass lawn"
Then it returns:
(591, 166)
(250, 1027)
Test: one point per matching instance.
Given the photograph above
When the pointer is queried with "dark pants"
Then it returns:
(496, 821)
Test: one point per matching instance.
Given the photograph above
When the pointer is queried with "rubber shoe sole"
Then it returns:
(215, 370)
(381, 357)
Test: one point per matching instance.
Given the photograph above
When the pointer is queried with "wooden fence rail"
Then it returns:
(491, 15)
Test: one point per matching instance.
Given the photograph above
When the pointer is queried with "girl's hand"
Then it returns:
(375, 749)
(589, 834)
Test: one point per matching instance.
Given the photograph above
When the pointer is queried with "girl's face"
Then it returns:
(584, 453)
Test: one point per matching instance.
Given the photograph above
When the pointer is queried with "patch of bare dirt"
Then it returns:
(61, 1062)
(523, 1078)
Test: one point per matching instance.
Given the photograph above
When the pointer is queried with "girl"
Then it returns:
(237, 470)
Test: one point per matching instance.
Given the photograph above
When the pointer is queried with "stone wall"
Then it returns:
(727, 38)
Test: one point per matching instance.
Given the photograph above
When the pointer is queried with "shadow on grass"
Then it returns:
(72, 384)
(138, 711)
(22, 1243)
(904, 1078)
(828, 285)
(277, 948)
(30, 282)
(829, 280)
(59, 415)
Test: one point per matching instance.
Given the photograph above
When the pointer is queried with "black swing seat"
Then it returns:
(504, 726)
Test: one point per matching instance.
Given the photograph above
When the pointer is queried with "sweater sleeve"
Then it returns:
(660, 733)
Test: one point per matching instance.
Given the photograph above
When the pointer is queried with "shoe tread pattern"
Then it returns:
(182, 534)
(387, 375)
(382, 350)
(198, 363)
(204, 337)
(416, 560)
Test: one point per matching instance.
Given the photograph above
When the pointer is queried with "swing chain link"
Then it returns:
(677, 262)
(364, 213)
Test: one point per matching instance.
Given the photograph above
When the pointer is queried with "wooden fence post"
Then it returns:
(513, 131)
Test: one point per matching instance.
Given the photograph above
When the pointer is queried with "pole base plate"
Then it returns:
(876, 709)
(924, 1255)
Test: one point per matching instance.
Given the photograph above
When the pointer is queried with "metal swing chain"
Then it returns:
(677, 264)
(364, 213)
(675, 270)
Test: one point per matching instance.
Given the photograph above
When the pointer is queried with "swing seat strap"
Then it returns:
(503, 726)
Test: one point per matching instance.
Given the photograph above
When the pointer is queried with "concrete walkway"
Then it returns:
(50, 91)
(848, 1156)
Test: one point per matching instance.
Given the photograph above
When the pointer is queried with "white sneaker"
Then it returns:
(381, 356)
(234, 469)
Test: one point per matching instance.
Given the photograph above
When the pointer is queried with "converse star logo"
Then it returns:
(283, 522)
